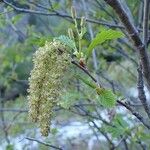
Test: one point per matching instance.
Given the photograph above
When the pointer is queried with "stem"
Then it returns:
(78, 34)
(84, 69)
(95, 62)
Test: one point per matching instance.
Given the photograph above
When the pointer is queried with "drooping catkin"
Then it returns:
(45, 82)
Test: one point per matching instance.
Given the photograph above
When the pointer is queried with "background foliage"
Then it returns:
(109, 114)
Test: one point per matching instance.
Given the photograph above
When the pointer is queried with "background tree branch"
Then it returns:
(133, 33)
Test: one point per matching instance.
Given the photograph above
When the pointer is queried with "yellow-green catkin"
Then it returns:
(45, 82)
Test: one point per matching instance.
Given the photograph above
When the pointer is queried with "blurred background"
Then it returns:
(80, 122)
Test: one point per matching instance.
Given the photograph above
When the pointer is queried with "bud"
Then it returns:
(70, 33)
(82, 62)
(99, 90)
(76, 53)
(45, 83)
(73, 12)
(83, 21)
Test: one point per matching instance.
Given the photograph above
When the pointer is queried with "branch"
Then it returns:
(13, 110)
(145, 21)
(134, 36)
(143, 145)
(86, 113)
(4, 126)
(21, 35)
(135, 113)
(122, 140)
(46, 144)
(12, 121)
(125, 144)
(56, 13)
(141, 92)
(84, 69)
(59, 14)
(112, 145)
(103, 8)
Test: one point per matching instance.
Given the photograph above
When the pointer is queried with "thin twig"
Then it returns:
(98, 116)
(4, 126)
(102, 7)
(112, 145)
(21, 35)
(143, 145)
(12, 121)
(2, 13)
(123, 139)
(13, 110)
(84, 69)
(43, 143)
(135, 113)
(125, 144)
(56, 13)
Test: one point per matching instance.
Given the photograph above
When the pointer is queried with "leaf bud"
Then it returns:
(73, 13)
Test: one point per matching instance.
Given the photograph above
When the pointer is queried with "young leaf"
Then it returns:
(115, 131)
(106, 97)
(120, 127)
(102, 37)
(67, 41)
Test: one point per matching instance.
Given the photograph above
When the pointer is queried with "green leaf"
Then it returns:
(67, 41)
(120, 121)
(16, 18)
(102, 37)
(106, 97)
(121, 127)
(115, 132)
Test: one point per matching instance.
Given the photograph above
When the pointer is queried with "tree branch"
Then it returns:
(135, 113)
(13, 110)
(46, 144)
(4, 126)
(145, 22)
(133, 33)
(56, 13)
(84, 69)
(141, 92)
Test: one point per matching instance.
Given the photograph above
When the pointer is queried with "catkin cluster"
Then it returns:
(45, 82)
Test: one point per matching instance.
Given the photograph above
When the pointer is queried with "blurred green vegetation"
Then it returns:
(21, 34)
